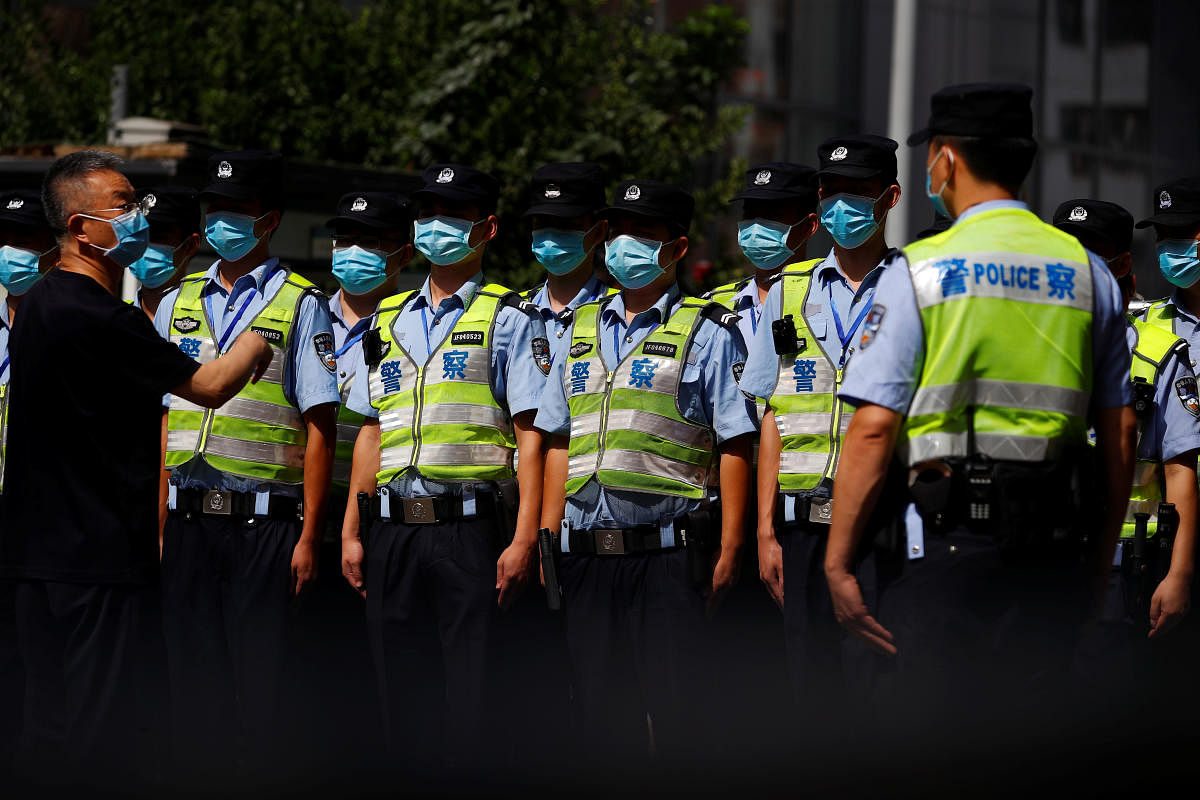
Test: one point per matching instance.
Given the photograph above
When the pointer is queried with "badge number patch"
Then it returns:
(466, 337)
(1186, 389)
(323, 344)
(664, 349)
(272, 336)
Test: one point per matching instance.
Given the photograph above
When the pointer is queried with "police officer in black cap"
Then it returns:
(174, 217)
(640, 413)
(566, 234)
(1176, 223)
(249, 481)
(452, 377)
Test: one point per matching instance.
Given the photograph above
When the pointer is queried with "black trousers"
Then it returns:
(431, 612)
(93, 664)
(637, 645)
(226, 616)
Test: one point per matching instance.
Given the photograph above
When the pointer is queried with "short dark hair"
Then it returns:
(1005, 162)
(63, 180)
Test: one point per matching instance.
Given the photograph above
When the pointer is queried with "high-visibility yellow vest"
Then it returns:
(259, 433)
(627, 430)
(441, 418)
(348, 424)
(1006, 307)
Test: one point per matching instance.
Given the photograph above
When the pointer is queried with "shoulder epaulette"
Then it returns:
(514, 300)
(720, 315)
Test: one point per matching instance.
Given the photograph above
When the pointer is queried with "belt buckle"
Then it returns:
(218, 503)
(820, 511)
(610, 543)
(418, 510)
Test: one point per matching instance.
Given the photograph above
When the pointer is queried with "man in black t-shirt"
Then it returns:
(84, 454)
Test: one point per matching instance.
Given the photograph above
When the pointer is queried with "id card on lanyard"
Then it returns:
(846, 336)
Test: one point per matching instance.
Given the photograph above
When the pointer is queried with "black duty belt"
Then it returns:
(815, 513)
(691, 530)
(431, 510)
(216, 503)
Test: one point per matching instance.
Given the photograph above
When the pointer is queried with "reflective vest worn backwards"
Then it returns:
(259, 433)
(1006, 307)
(441, 417)
(1151, 352)
(627, 431)
(810, 418)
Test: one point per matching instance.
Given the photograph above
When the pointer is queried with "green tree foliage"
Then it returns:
(505, 85)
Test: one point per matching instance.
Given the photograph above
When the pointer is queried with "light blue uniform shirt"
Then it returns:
(347, 340)
(517, 381)
(1186, 325)
(1171, 430)
(885, 372)
(708, 395)
(558, 323)
(749, 310)
(830, 294)
(4, 331)
(308, 381)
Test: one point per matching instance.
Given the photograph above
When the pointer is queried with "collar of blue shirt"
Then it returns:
(1181, 310)
(615, 310)
(464, 295)
(990, 205)
(260, 274)
(590, 291)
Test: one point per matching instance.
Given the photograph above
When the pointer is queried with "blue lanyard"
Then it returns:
(236, 317)
(425, 329)
(846, 336)
(353, 340)
(4, 364)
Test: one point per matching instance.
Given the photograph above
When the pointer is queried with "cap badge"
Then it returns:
(445, 176)
(1164, 200)
(1078, 214)
(762, 178)
(633, 193)
(552, 191)
(839, 153)
(224, 170)
(359, 204)
(15, 203)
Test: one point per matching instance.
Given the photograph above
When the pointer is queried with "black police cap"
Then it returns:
(1176, 204)
(567, 189)
(385, 211)
(245, 175)
(654, 199)
(858, 157)
(780, 180)
(459, 184)
(23, 208)
(940, 224)
(986, 110)
(173, 205)
(1099, 218)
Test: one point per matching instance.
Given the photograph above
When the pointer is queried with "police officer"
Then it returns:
(452, 376)
(779, 215)
(641, 411)
(566, 233)
(174, 218)
(1176, 224)
(248, 481)
(27, 249)
(986, 349)
(821, 305)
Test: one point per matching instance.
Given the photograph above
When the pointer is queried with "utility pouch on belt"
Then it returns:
(695, 530)
(548, 549)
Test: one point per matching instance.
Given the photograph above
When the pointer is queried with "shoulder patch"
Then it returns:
(738, 368)
(466, 337)
(1186, 389)
(541, 353)
(513, 299)
(580, 349)
(323, 344)
(272, 336)
(186, 324)
(871, 325)
(664, 349)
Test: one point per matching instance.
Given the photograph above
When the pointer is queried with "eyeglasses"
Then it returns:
(144, 205)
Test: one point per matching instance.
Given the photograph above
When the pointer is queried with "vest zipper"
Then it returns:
(835, 431)
(608, 379)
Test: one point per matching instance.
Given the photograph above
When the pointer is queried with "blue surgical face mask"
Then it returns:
(558, 250)
(939, 204)
(359, 270)
(133, 234)
(156, 266)
(1179, 261)
(443, 240)
(764, 242)
(231, 235)
(18, 269)
(633, 261)
(849, 218)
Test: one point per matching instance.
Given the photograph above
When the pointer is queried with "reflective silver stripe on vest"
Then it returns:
(998, 394)
(844, 422)
(823, 381)
(818, 422)
(581, 465)
(464, 455)
(179, 404)
(208, 348)
(665, 373)
(794, 462)
(474, 371)
(927, 279)
(630, 419)
(465, 414)
(341, 471)
(286, 455)
(408, 380)
(1144, 472)
(346, 432)
(652, 464)
(260, 411)
(274, 372)
(396, 418)
(208, 351)
(394, 457)
(930, 446)
(585, 424)
(594, 384)
(182, 440)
